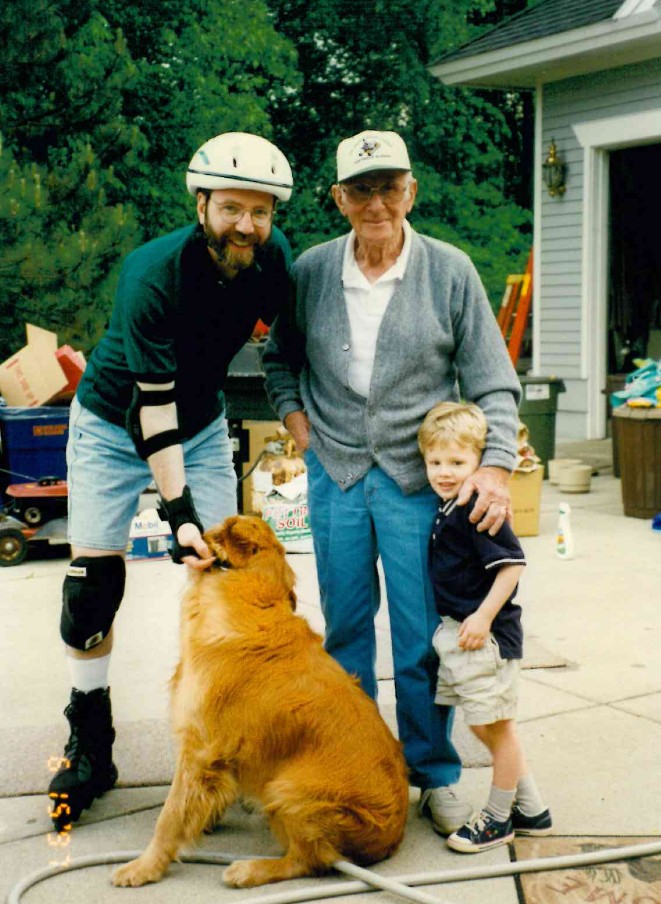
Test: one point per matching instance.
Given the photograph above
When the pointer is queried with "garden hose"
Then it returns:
(368, 880)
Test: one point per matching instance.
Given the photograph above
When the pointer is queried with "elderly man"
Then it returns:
(150, 406)
(384, 324)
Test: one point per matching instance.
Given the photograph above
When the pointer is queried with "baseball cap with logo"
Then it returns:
(370, 151)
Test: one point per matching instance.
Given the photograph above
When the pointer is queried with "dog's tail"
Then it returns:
(364, 831)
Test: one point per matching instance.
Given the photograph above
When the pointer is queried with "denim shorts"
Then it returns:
(106, 477)
(481, 682)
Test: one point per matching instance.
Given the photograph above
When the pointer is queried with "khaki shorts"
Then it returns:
(480, 681)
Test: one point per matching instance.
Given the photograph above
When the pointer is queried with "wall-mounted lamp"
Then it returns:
(554, 171)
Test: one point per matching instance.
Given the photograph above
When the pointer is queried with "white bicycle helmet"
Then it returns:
(240, 160)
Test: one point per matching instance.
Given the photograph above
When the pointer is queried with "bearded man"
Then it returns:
(150, 406)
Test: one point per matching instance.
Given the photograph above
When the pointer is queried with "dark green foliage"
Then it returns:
(64, 218)
(204, 67)
(103, 102)
(365, 66)
(57, 270)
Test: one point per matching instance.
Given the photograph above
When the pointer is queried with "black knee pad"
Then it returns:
(92, 592)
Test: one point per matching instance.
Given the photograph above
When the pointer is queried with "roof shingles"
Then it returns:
(546, 18)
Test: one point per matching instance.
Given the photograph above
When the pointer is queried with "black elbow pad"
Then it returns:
(142, 398)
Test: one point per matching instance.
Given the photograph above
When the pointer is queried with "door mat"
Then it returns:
(627, 882)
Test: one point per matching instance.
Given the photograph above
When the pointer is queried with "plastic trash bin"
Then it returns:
(639, 444)
(33, 443)
(539, 404)
(245, 392)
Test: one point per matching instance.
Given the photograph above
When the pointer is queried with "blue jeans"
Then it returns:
(106, 477)
(350, 529)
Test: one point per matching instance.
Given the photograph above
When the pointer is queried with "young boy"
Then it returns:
(479, 641)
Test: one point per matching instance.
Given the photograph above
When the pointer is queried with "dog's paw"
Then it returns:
(247, 805)
(137, 872)
(242, 874)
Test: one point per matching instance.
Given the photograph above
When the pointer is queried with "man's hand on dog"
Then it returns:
(190, 536)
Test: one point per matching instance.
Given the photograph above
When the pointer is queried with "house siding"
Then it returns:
(612, 93)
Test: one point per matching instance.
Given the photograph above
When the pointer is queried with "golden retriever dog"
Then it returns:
(262, 712)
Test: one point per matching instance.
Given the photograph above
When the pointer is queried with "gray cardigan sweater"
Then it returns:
(438, 340)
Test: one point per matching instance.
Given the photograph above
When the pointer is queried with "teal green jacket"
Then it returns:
(176, 319)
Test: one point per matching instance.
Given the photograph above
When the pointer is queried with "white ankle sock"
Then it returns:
(89, 674)
(528, 798)
(500, 803)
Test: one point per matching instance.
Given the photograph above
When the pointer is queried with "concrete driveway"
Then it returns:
(590, 714)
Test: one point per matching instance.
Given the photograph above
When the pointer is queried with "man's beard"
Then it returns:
(229, 255)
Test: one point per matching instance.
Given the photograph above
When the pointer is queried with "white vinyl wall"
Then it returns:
(587, 116)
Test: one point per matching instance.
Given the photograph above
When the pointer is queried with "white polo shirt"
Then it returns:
(366, 304)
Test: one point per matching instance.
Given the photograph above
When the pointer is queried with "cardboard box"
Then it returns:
(150, 538)
(526, 492)
(40, 372)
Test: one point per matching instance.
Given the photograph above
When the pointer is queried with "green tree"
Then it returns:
(365, 65)
(203, 67)
(57, 271)
(102, 104)
(63, 225)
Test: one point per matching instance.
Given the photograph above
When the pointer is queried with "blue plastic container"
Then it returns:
(33, 443)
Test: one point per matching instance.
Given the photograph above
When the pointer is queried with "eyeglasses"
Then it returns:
(232, 213)
(361, 192)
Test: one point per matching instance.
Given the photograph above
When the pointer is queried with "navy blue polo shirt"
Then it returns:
(463, 564)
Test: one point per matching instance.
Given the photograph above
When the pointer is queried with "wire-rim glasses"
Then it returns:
(233, 213)
(361, 192)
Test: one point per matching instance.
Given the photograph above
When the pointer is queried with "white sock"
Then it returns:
(500, 803)
(528, 798)
(89, 674)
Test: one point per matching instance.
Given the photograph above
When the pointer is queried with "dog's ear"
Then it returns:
(239, 538)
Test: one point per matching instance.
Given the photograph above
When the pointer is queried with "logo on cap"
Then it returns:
(368, 147)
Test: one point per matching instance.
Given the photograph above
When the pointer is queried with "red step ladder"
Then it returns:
(512, 317)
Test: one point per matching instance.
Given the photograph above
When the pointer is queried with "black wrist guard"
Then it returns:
(177, 512)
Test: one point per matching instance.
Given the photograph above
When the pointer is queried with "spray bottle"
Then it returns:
(564, 542)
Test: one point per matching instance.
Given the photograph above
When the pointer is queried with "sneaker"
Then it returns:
(531, 825)
(88, 770)
(481, 833)
(446, 810)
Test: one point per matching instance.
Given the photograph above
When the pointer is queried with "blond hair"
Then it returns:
(460, 422)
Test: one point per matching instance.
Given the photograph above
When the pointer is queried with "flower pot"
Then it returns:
(556, 464)
(575, 479)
